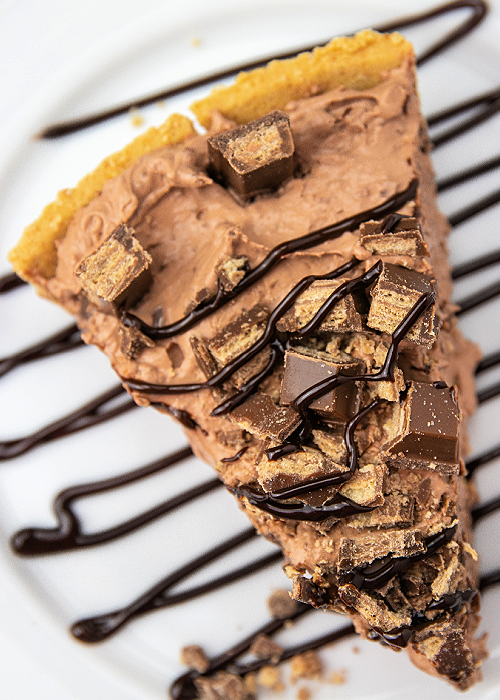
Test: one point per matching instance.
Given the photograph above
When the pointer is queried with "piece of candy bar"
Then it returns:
(393, 296)
(305, 369)
(256, 157)
(118, 271)
(298, 467)
(261, 416)
(215, 353)
(403, 238)
(133, 342)
(428, 430)
(343, 316)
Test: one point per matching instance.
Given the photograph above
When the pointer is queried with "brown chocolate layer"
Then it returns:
(374, 144)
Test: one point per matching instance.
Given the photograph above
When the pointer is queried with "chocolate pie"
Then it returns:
(281, 285)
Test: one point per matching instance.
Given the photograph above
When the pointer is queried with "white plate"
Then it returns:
(65, 59)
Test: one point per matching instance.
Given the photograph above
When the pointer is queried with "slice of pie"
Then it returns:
(280, 285)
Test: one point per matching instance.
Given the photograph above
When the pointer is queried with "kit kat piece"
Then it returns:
(305, 369)
(256, 157)
(343, 317)
(393, 295)
(261, 416)
(404, 237)
(118, 271)
(428, 430)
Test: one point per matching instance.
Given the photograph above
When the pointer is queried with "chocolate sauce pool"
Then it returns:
(69, 535)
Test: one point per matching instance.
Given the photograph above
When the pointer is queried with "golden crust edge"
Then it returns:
(356, 62)
(35, 255)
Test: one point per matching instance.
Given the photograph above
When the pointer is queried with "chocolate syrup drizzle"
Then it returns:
(92, 413)
(339, 507)
(69, 531)
(488, 104)
(64, 340)
(377, 575)
(96, 629)
(310, 240)
(9, 282)
(68, 534)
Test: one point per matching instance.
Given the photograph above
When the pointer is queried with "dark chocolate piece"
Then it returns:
(117, 272)
(133, 342)
(261, 416)
(428, 430)
(393, 295)
(255, 157)
(303, 370)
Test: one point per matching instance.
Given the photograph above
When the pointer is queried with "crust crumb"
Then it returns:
(306, 665)
(195, 658)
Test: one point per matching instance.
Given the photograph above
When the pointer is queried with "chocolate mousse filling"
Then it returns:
(283, 289)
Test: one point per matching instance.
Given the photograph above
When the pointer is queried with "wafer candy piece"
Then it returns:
(256, 157)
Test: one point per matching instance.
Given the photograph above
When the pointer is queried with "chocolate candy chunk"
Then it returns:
(230, 271)
(396, 511)
(393, 295)
(403, 238)
(343, 317)
(117, 272)
(255, 157)
(375, 612)
(445, 645)
(366, 548)
(306, 591)
(303, 369)
(263, 647)
(428, 430)
(133, 342)
(194, 657)
(238, 336)
(366, 487)
(298, 467)
(221, 686)
(260, 416)
(281, 605)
